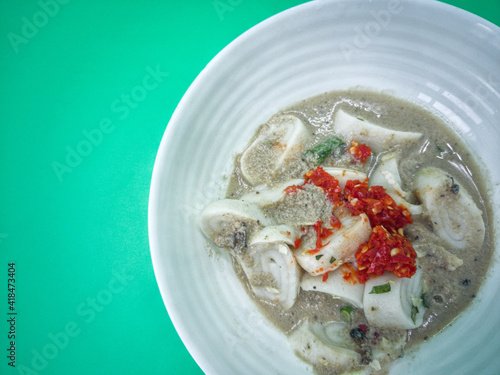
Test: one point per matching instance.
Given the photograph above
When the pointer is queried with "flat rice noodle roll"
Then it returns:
(399, 308)
(343, 175)
(325, 345)
(340, 246)
(376, 137)
(227, 222)
(455, 217)
(386, 174)
(386, 162)
(280, 141)
(270, 266)
(262, 196)
(336, 286)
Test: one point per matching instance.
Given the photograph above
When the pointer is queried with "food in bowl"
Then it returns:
(359, 224)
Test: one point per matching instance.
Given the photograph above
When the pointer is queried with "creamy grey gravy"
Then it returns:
(449, 292)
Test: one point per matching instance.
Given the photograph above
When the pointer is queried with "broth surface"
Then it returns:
(448, 292)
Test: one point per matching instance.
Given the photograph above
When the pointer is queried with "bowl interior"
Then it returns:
(429, 53)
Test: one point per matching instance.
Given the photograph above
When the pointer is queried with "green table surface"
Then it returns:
(86, 91)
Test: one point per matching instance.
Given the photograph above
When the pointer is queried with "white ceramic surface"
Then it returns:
(426, 52)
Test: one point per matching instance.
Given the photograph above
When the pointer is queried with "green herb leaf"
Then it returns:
(345, 313)
(332, 259)
(425, 300)
(414, 312)
(325, 149)
(416, 301)
(318, 257)
(379, 289)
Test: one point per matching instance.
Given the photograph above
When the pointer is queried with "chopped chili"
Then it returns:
(320, 234)
(352, 275)
(364, 328)
(335, 222)
(293, 189)
(328, 183)
(359, 152)
(387, 250)
(379, 206)
(297, 243)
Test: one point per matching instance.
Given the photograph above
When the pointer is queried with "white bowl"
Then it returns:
(429, 53)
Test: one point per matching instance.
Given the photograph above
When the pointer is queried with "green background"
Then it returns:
(101, 78)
